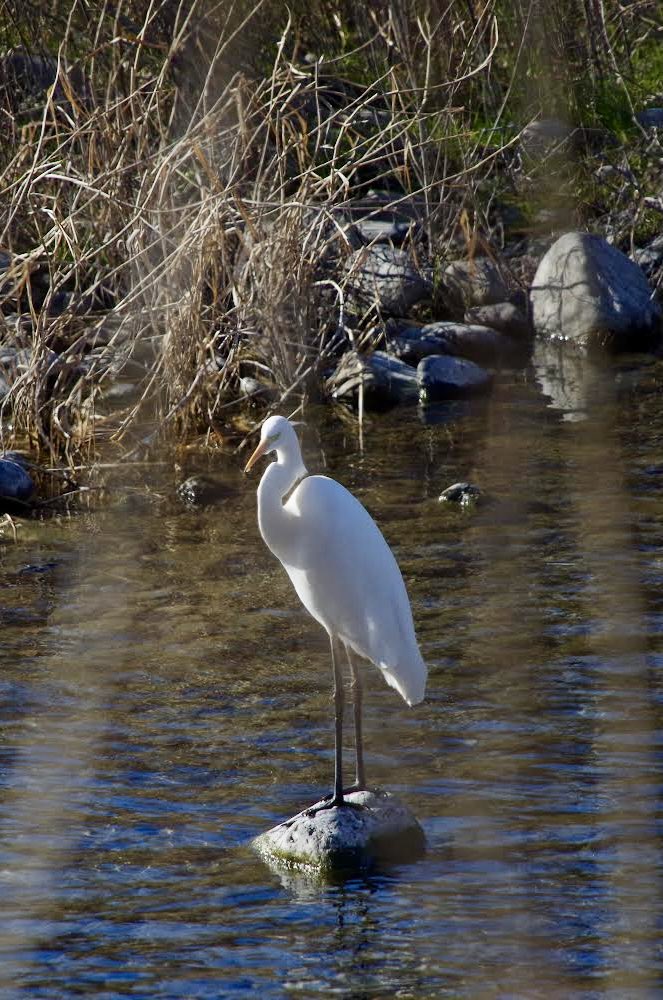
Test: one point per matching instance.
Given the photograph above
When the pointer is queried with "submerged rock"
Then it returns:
(451, 378)
(465, 494)
(201, 491)
(588, 292)
(333, 839)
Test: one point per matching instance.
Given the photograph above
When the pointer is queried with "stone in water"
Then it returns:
(332, 839)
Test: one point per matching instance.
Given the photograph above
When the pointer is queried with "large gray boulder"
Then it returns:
(380, 826)
(589, 293)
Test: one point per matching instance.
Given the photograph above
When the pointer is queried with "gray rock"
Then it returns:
(478, 343)
(386, 381)
(464, 494)
(589, 293)
(387, 278)
(505, 317)
(476, 282)
(25, 77)
(545, 136)
(14, 361)
(386, 216)
(376, 220)
(253, 389)
(650, 118)
(383, 230)
(15, 481)
(451, 378)
(345, 838)
(650, 258)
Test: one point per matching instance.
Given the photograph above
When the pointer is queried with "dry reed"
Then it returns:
(197, 172)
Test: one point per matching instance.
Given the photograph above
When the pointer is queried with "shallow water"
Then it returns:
(163, 700)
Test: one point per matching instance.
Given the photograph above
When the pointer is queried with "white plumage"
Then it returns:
(340, 565)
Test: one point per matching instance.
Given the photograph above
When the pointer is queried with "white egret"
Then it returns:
(345, 576)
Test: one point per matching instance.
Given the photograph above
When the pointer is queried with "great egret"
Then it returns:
(345, 576)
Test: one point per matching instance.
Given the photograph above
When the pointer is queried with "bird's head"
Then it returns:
(277, 433)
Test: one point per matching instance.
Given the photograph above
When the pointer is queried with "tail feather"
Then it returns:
(408, 680)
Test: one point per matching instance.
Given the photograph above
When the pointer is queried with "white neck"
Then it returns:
(277, 525)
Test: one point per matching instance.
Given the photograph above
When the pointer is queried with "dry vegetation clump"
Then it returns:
(179, 184)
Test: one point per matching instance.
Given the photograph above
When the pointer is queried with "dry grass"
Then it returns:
(190, 166)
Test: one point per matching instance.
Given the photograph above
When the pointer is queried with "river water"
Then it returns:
(163, 700)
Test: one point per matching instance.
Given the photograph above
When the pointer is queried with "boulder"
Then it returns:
(478, 343)
(386, 381)
(15, 481)
(589, 293)
(387, 278)
(476, 282)
(374, 827)
(505, 317)
(451, 378)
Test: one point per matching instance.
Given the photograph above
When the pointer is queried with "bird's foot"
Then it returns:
(333, 802)
(358, 786)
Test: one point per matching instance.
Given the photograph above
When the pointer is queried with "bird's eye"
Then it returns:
(273, 438)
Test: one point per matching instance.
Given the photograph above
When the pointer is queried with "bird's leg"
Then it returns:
(339, 700)
(357, 691)
(336, 798)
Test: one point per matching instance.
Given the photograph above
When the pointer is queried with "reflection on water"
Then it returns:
(164, 700)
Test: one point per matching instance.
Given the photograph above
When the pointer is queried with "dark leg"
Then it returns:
(339, 699)
(357, 691)
(336, 798)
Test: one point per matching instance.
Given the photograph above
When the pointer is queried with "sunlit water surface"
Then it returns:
(164, 699)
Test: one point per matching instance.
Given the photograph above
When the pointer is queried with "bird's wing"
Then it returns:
(347, 578)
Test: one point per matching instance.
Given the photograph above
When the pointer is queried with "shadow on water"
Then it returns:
(164, 700)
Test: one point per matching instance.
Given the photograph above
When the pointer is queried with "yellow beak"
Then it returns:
(258, 453)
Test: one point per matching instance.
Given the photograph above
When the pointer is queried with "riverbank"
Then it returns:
(202, 220)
